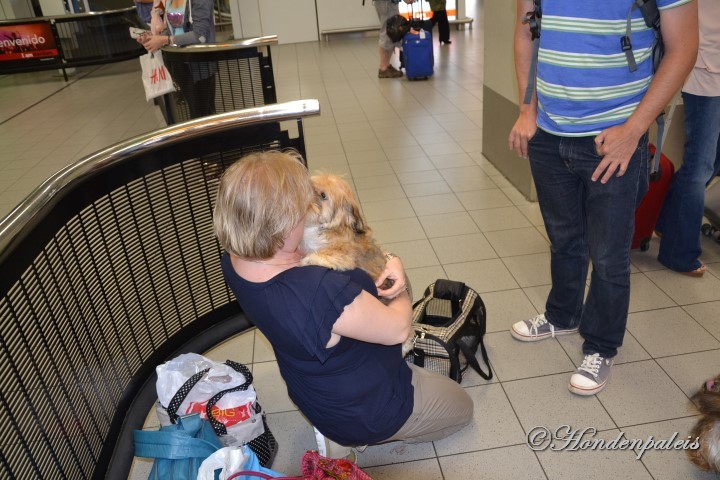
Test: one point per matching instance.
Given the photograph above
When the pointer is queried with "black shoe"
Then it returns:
(445, 42)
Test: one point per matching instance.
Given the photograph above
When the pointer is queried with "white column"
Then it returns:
(292, 21)
(52, 7)
(461, 9)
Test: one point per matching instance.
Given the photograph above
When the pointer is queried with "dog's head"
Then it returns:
(334, 205)
(708, 398)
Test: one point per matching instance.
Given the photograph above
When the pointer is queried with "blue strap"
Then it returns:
(191, 437)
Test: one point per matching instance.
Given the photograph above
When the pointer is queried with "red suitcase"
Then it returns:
(647, 213)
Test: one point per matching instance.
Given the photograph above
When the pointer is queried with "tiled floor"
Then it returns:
(413, 153)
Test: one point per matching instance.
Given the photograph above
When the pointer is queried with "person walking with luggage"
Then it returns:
(585, 133)
(386, 47)
(440, 19)
(682, 213)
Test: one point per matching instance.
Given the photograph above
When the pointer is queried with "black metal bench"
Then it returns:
(109, 268)
(219, 77)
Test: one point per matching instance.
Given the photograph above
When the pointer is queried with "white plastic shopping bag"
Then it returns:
(230, 460)
(156, 78)
(234, 409)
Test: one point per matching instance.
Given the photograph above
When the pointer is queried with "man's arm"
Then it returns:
(680, 35)
(526, 124)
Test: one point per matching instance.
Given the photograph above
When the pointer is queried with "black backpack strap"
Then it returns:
(651, 16)
(533, 19)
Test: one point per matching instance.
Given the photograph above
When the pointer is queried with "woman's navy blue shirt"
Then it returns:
(355, 392)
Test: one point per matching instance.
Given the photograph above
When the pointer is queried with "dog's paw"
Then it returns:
(319, 260)
(408, 344)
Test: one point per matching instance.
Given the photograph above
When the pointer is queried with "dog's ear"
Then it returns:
(351, 208)
(358, 225)
(707, 402)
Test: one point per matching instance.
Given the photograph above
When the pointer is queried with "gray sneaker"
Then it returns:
(592, 375)
(538, 328)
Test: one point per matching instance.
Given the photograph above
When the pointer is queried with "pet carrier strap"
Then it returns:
(472, 361)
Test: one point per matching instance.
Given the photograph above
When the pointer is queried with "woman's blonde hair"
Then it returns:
(261, 198)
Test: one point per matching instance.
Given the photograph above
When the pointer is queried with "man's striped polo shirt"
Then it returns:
(584, 84)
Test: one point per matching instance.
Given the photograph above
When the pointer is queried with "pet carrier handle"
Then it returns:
(472, 361)
(449, 290)
(184, 390)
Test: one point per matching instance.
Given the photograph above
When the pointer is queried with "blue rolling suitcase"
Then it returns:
(418, 55)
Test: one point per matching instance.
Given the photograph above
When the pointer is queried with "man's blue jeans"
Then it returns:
(587, 220)
(682, 212)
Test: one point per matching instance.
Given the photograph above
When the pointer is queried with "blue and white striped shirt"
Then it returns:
(584, 84)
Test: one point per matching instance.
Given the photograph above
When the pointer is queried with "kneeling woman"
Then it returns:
(337, 346)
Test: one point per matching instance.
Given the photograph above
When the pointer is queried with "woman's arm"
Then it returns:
(369, 320)
(153, 43)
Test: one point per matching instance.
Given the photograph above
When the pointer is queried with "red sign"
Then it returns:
(228, 416)
(27, 41)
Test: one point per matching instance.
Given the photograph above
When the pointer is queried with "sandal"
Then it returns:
(698, 272)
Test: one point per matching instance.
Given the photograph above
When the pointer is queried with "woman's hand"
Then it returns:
(393, 271)
(153, 43)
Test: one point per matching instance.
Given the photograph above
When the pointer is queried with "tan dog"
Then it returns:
(707, 429)
(337, 236)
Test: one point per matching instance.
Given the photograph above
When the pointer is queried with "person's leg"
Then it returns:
(205, 97)
(443, 26)
(331, 449)
(385, 56)
(560, 194)
(441, 407)
(610, 210)
(386, 46)
(716, 168)
(682, 212)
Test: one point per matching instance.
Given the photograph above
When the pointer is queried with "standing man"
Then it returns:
(585, 133)
(682, 212)
(385, 10)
